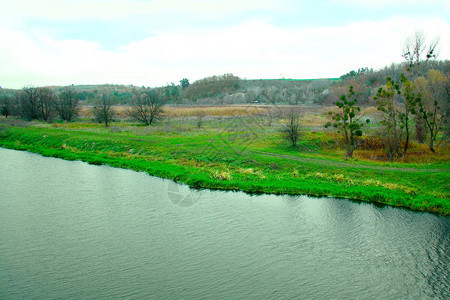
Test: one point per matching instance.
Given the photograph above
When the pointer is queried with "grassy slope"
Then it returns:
(223, 159)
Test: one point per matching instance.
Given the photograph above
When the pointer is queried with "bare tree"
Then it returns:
(67, 104)
(291, 129)
(417, 49)
(147, 107)
(46, 103)
(29, 103)
(413, 48)
(271, 95)
(103, 111)
(6, 105)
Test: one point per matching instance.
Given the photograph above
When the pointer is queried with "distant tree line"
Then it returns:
(36, 103)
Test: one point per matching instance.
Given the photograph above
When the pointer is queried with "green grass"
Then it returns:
(219, 157)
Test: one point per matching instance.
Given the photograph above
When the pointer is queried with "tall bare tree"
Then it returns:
(46, 103)
(103, 111)
(67, 104)
(6, 104)
(292, 128)
(418, 50)
(147, 107)
(30, 103)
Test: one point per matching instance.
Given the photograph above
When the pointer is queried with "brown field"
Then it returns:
(214, 111)
(224, 110)
(311, 116)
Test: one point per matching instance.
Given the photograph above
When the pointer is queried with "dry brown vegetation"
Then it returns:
(214, 111)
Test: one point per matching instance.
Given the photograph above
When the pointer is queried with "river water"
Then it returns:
(73, 230)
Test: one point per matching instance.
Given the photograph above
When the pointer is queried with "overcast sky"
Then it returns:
(152, 43)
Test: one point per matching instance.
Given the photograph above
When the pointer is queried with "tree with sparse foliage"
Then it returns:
(147, 107)
(346, 121)
(433, 105)
(67, 104)
(417, 52)
(103, 111)
(385, 101)
(292, 128)
(411, 98)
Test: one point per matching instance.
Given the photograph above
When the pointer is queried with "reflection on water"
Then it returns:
(72, 230)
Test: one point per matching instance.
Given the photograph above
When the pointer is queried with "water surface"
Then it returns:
(73, 230)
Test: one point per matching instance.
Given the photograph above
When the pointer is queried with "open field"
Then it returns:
(211, 111)
(239, 148)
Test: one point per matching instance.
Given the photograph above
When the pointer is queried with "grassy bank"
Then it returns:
(225, 155)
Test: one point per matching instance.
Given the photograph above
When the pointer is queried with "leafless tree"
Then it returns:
(46, 103)
(6, 104)
(103, 111)
(417, 49)
(291, 129)
(147, 107)
(67, 104)
(271, 95)
(30, 103)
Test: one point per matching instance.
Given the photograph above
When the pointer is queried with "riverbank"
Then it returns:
(237, 160)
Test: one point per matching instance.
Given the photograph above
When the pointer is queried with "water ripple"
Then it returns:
(71, 230)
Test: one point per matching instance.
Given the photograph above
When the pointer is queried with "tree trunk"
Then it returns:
(407, 137)
(431, 145)
(350, 149)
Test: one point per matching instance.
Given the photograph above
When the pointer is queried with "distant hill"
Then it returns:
(216, 90)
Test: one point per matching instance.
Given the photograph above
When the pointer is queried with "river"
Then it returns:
(73, 230)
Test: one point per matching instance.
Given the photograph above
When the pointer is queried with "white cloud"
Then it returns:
(251, 50)
(371, 4)
(116, 9)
